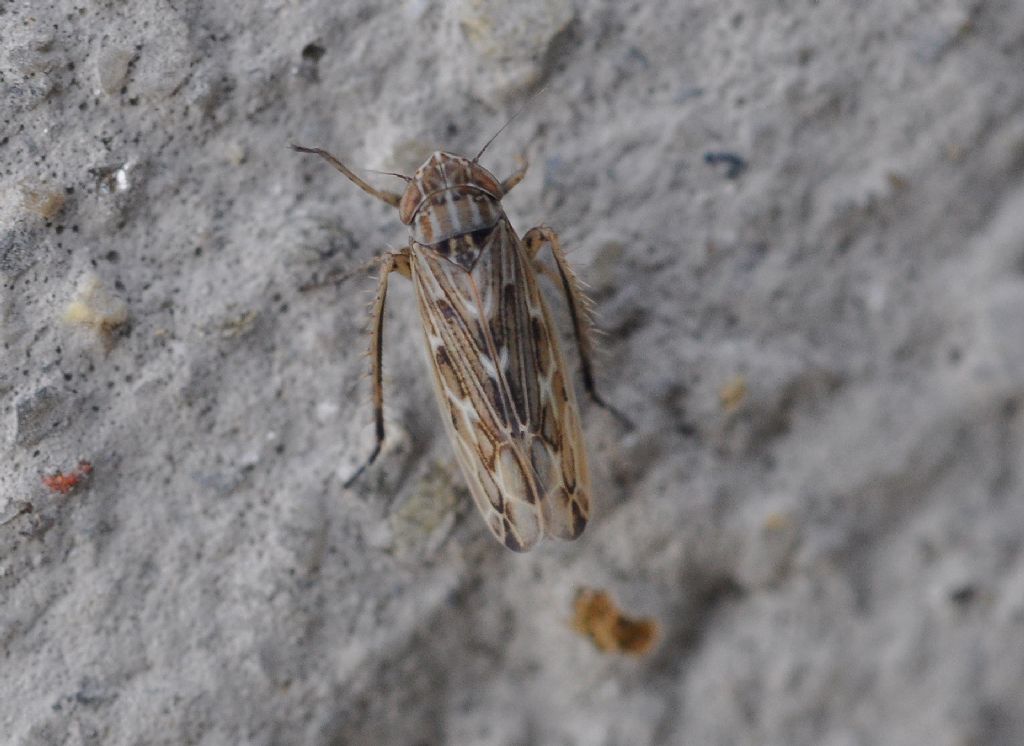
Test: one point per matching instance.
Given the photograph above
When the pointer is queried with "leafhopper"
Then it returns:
(502, 385)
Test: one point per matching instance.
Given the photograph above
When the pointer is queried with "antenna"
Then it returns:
(518, 112)
(403, 177)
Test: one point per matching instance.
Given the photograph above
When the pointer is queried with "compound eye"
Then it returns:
(410, 201)
(485, 180)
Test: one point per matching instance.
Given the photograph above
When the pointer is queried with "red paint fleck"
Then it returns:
(65, 482)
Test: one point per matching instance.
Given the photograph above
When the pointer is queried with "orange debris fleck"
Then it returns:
(596, 616)
(733, 393)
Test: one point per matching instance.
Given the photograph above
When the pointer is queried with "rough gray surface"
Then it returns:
(822, 503)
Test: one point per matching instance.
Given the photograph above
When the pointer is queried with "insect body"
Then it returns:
(505, 394)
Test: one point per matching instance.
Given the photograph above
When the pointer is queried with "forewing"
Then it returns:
(500, 378)
(474, 406)
(539, 385)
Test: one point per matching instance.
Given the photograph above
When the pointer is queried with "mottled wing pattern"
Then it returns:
(540, 385)
(500, 376)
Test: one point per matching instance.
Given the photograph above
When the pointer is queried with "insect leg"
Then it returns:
(579, 311)
(390, 197)
(389, 263)
(336, 278)
(516, 177)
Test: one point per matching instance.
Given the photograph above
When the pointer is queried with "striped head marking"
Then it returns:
(449, 196)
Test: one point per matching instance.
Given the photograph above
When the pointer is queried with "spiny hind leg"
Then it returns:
(579, 310)
(337, 277)
(389, 263)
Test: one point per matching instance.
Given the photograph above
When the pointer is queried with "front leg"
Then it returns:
(579, 311)
(516, 177)
(384, 196)
(388, 263)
